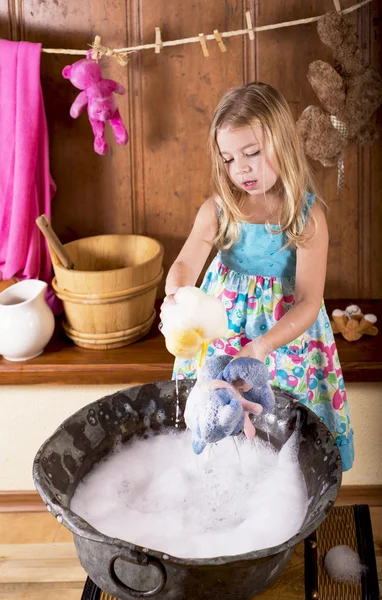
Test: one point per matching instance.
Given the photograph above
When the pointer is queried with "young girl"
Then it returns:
(268, 224)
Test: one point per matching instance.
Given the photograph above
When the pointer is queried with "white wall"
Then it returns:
(30, 414)
(365, 400)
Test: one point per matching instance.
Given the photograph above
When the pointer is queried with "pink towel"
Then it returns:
(26, 187)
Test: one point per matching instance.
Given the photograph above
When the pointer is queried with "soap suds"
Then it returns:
(157, 494)
(343, 564)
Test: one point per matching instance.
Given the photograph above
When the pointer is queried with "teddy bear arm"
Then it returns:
(328, 86)
(120, 89)
(78, 105)
(366, 324)
(339, 321)
(372, 330)
(116, 87)
(249, 370)
(320, 139)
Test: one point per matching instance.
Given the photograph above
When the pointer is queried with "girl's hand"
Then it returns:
(256, 349)
(170, 299)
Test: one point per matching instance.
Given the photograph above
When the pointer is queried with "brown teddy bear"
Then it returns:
(349, 94)
(352, 323)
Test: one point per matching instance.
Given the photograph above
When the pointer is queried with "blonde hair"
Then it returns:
(250, 105)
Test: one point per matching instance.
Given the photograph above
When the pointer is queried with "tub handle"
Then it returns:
(142, 560)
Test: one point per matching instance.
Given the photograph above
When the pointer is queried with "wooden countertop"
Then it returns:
(148, 360)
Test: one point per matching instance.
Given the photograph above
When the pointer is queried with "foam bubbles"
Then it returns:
(343, 564)
(158, 494)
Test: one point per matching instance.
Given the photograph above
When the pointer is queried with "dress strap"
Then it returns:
(218, 210)
(310, 198)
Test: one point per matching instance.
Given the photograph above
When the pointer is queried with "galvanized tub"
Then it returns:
(127, 571)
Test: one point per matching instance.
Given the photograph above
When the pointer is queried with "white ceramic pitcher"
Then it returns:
(26, 321)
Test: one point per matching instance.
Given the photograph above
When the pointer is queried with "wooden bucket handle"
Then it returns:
(56, 249)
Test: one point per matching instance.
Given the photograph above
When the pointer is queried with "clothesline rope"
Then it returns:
(106, 51)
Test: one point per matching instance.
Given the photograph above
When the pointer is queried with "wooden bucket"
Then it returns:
(109, 296)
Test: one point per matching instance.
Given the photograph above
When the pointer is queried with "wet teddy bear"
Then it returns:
(225, 393)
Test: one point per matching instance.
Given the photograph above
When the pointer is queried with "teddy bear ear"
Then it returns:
(67, 71)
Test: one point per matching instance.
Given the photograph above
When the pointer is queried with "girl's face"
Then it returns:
(244, 151)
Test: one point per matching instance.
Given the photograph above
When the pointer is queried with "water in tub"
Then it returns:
(158, 494)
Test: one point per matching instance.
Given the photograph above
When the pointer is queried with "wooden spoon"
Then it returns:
(45, 227)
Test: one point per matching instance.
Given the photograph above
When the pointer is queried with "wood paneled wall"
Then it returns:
(155, 185)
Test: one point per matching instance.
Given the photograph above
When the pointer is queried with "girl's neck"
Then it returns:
(262, 209)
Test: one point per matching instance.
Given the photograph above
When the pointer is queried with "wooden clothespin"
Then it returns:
(158, 40)
(337, 5)
(203, 44)
(219, 40)
(251, 33)
(96, 45)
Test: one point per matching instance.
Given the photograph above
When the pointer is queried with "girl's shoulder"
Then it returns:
(206, 222)
(211, 203)
(210, 209)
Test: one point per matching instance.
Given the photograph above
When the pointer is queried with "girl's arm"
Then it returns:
(310, 282)
(191, 259)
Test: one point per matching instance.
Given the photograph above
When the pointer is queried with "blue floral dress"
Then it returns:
(255, 280)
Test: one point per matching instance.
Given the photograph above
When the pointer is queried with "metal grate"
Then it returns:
(337, 529)
(345, 525)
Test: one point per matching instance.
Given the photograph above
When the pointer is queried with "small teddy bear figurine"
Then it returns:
(97, 94)
(352, 323)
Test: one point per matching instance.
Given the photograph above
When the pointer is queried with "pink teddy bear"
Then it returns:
(98, 95)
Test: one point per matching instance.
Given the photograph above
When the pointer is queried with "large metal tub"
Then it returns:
(127, 571)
